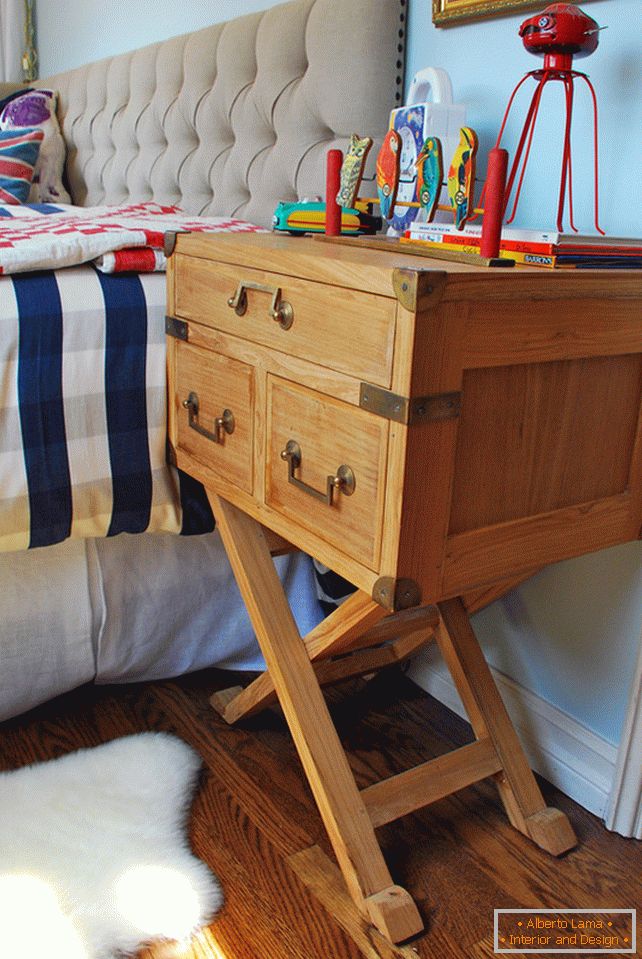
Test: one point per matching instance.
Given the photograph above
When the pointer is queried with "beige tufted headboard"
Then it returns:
(235, 117)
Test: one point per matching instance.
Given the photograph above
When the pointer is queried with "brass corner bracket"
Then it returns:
(169, 240)
(395, 594)
(409, 410)
(176, 328)
(418, 289)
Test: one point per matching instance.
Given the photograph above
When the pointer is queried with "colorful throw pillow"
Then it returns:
(37, 108)
(18, 156)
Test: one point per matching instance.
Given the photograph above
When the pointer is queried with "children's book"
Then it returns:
(557, 241)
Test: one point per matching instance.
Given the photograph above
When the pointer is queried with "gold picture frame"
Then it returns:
(451, 12)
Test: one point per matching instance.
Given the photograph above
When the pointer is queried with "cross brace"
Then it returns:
(356, 639)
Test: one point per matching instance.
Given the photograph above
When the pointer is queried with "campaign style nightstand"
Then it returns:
(433, 432)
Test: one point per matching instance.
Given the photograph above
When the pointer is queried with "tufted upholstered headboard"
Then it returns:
(235, 117)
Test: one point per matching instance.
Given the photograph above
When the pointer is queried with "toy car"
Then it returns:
(309, 217)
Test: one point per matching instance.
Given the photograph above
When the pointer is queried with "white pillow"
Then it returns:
(37, 108)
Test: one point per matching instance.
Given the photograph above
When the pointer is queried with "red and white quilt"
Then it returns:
(113, 238)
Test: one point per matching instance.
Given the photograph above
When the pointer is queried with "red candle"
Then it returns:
(494, 202)
(332, 208)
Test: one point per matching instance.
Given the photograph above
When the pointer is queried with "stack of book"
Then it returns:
(534, 247)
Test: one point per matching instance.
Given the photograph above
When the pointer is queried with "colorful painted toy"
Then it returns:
(430, 172)
(299, 218)
(430, 111)
(461, 176)
(388, 173)
(352, 170)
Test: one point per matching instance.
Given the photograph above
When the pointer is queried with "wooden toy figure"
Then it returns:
(388, 173)
(430, 171)
(352, 170)
(461, 176)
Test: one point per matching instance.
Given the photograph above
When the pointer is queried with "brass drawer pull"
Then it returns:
(222, 424)
(343, 481)
(281, 311)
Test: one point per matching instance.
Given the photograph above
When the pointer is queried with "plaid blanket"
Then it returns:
(83, 394)
(68, 236)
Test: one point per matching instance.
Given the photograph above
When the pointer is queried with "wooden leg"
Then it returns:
(480, 598)
(365, 661)
(547, 827)
(237, 702)
(337, 633)
(342, 809)
(333, 635)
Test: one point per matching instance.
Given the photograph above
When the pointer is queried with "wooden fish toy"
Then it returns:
(388, 173)
(352, 170)
(461, 176)
(430, 172)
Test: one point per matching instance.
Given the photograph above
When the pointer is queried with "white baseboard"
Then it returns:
(567, 754)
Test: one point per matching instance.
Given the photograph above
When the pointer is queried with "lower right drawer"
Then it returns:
(326, 467)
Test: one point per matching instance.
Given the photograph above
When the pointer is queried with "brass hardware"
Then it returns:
(409, 410)
(343, 481)
(169, 240)
(222, 424)
(384, 403)
(176, 328)
(281, 312)
(418, 289)
(443, 406)
(395, 594)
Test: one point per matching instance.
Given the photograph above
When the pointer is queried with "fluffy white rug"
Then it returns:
(94, 858)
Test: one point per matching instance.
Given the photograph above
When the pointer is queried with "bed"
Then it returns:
(226, 122)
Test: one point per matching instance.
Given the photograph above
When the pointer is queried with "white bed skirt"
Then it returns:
(127, 609)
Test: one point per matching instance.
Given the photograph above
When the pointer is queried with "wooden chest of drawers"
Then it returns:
(425, 429)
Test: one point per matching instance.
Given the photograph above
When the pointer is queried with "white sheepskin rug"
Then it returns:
(94, 858)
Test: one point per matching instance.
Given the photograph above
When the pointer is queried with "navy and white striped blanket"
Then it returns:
(83, 408)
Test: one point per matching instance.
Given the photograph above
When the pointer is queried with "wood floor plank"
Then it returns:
(227, 816)
(323, 877)
(254, 823)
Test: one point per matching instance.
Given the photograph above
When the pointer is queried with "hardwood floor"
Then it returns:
(255, 824)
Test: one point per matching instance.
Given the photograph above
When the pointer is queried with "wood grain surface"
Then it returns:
(255, 824)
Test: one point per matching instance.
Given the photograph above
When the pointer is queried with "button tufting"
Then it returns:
(204, 107)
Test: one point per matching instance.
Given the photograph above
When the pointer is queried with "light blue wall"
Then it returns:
(485, 60)
(574, 627)
(571, 635)
(79, 31)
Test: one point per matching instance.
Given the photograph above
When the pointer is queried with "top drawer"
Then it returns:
(345, 330)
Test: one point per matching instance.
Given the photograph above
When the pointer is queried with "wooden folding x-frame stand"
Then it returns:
(298, 667)
(464, 407)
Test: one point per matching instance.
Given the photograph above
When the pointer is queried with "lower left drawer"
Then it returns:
(215, 396)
